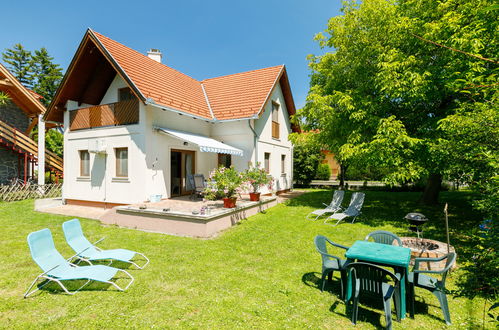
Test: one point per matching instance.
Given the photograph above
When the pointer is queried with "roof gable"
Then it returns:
(24, 98)
(232, 97)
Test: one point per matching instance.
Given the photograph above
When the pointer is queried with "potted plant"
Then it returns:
(256, 178)
(224, 183)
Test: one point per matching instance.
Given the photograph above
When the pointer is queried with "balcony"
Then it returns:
(105, 115)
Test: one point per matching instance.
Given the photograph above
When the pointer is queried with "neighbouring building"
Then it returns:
(134, 127)
(19, 154)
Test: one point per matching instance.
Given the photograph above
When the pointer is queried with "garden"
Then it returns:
(263, 273)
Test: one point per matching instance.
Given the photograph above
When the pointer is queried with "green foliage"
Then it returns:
(20, 64)
(480, 278)
(4, 98)
(306, 156)
(378, 94)
(323, 172)
(224, 182)
(256, 178)
(36, 71)
(48, 75)
(54, 140)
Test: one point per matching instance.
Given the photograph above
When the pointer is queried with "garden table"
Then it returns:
(394, 256)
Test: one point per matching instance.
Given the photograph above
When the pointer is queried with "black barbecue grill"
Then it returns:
(416, 222)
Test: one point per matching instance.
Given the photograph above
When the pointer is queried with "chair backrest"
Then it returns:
(370, 277)
(43, 251)
(321, 246)
(383, 237)
(190, 179)
(355, 205)
(337, 199)
(75, 238)
(199, 181)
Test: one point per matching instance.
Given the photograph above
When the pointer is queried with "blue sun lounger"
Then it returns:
(88, 252)
(57, 269)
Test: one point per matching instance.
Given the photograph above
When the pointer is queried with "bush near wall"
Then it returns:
(323, 172)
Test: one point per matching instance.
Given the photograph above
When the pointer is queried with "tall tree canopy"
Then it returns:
(395, 74)
(36, 71)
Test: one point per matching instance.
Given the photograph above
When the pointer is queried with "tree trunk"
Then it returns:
(343, 172)
(432, 189)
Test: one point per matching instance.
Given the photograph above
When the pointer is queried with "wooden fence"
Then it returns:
(17, 192)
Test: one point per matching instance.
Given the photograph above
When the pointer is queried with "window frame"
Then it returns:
(118, 170)
(275, 123)
(226, 156)
(283, 164)
(132, 96)
(80, 153)
(266, 161)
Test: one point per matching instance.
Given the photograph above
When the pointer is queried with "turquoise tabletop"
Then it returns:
(380, 253)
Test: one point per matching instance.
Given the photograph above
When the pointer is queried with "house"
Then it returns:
(134, 127)
(19, 154)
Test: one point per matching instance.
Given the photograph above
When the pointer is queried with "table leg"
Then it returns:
(402, 293)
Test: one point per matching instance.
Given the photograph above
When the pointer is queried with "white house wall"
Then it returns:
(149, 151)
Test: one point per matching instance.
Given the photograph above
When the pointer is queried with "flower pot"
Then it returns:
(229, 203)
(254, 197)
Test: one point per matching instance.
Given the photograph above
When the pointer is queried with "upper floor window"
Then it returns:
(125, 94)
(275, 120)
(121, 162)
(84, 163)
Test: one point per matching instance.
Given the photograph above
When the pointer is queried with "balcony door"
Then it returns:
(181, 165)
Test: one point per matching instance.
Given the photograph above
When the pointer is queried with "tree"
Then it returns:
(48, 75)
(306, 156)
(36, 71)
(19, 63)
(394, 72)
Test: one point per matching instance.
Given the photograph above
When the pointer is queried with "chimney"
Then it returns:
(155, 54)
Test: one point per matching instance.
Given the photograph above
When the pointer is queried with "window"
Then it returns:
(283, 164)
(224, 160)
(267, 162)
(84, 163)
(125, 94)
(275, 120)
(121, 162)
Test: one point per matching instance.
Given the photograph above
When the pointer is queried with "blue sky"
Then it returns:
(203, 39)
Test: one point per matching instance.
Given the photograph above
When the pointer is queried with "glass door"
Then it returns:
(182, 165)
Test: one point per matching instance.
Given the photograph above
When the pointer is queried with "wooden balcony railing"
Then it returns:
(275, 129)
(113, 114)
(24, 144)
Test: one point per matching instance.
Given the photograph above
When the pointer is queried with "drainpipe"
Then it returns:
(255, 141)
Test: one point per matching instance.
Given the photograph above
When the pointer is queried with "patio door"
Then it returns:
(181, 165)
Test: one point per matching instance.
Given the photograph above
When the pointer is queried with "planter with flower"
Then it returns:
(256, 178)
(224, 184)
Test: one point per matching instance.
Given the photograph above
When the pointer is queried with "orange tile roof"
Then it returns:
(241, 95)
(235, 96)
(164, 85)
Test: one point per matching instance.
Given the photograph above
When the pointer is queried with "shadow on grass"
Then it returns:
(382, 208)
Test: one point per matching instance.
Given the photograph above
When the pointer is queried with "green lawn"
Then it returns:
(262, 273)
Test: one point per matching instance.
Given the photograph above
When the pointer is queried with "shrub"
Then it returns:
(323, 172)
(224, 182)
(256, 178)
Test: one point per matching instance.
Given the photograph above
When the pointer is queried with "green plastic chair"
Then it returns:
(383, 237)
(57, 269)
(88, 252)
(373, 280)
(417, 278)
(331, 263)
